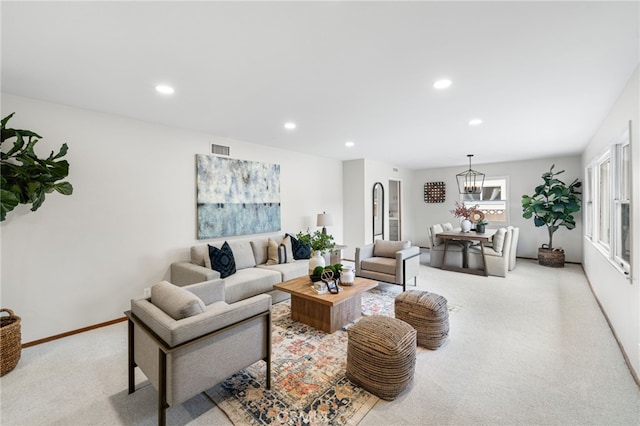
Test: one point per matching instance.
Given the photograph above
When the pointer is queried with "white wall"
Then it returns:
(619, 296)
(359, 178)
(523, 177)
(78, 260)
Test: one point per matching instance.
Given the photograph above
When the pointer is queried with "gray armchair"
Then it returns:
(187, 339)
(395, 262)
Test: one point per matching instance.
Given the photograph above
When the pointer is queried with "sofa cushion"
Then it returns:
(300, 251)
(385, 265)
(383, 248)
(242, 254)
(259, 247)
(222, 260)
(279, 253)
(291, 270)
(498, 240)
(249, 282)
(175, 301)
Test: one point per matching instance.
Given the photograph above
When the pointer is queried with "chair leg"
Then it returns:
(162, 392)
(132, 362)
(269, 351)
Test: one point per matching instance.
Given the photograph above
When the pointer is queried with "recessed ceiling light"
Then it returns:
(475, 122)
(164, 89)
(442, 84)
(290, 125)
(349, 144)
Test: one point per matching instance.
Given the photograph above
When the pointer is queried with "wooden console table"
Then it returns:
(466, 237)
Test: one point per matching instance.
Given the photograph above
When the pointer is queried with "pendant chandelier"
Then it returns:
(470, 181)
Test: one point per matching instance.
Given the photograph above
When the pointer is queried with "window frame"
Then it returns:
(504, 193)
(610, 199)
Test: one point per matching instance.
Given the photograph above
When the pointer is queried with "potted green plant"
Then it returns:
(552, 204)
(481, 226)
(319, 243)
(26, 178)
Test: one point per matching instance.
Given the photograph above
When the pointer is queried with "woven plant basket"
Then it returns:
(552, 258)
(10, 341)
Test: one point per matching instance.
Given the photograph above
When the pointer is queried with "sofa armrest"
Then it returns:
(362, 253)
(208, 291)
(185, 273)
(218, 315)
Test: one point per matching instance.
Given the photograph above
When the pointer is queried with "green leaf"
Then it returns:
(64, 188)
(8, 202)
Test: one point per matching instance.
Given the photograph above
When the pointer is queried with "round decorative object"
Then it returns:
(327, 276)
(476, 216)
(315, 260)
(465, 225)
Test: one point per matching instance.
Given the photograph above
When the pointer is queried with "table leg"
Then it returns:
(444, 255)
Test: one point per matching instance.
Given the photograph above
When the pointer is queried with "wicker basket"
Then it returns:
(552, 258)
(10, 341)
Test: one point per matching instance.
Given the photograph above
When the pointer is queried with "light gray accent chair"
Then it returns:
(395, 262)
(496, 257)
(455, 251)
(188, 339)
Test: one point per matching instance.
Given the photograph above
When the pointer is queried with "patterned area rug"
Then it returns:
(308, 384)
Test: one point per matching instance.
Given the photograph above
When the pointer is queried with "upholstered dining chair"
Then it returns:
(496, 257)
(455, 250)
(395, 262)
(187, 339)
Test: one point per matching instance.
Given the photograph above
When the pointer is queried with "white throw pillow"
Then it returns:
(498, 240)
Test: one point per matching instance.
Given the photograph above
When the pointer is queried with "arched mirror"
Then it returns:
(378, 211)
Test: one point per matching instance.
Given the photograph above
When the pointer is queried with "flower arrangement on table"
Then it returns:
(463, 211)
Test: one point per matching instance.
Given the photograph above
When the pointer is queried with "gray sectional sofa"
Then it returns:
(253, 276)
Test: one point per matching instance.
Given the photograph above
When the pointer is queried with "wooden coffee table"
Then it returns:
(327, 312)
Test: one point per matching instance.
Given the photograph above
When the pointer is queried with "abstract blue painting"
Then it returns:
(236, 197)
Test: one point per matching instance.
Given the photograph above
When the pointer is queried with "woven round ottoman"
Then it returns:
(427, 313)
(381, 355)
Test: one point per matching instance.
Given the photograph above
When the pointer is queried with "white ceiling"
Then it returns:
(541, 75)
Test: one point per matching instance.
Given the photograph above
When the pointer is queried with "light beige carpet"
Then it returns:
(529, 349)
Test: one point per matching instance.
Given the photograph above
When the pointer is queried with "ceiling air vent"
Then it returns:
(219, 149)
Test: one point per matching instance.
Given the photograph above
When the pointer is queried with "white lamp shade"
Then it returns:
(325, 219)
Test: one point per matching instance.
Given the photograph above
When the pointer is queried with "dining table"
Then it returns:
(467, 238)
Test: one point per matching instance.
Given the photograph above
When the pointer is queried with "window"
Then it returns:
(492, 201)
(604, 202)
(588, 202)
(622, 200)
(607, 202)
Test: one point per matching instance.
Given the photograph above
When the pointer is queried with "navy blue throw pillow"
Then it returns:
(300, 251)
(222, 260)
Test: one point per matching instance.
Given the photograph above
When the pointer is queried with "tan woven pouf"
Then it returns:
(381, 355)
(427, 313)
